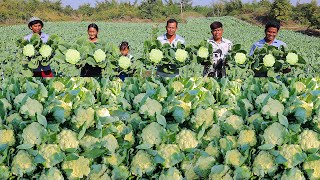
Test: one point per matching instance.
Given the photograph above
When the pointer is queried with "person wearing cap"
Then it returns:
(221, 47)
(171, 38)
(36, 25)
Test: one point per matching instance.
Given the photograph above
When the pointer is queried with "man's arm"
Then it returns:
(252, 49)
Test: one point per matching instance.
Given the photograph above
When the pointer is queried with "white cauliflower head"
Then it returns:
(67, 139)
(234, 158)
(22, 163)
(33, 133)
(167, 152)
(203, 116)
(4, 172)
(124, 62)
(7, 137)
(312, 165)
(293, 173)
(45, 51)
(152, 134)
(79, 167)
(264, 163)
(142, 163)
(288, 151)
(156, 55)
(269, 60)
(203, 52)
(52, 174)
(29, 50)
(110, 142)
(212, 150)
(151, 107)
(213, 133)
(48, 152)
(309, 140)
(99, 56)
(82, 116)
(181, 55)
(273, 108)
(186, 139)
(240, 58)
(292, 58)
(235, 121)
(247, 137)
(274, 134)
(88, 141)
(171, 174)
(31, 107)
(72, 56)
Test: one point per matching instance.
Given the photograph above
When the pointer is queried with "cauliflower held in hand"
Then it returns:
(142, 162)
(33, 133)
(67, 139)
(48, 151)
(7, 137)
(181, 55)
(156, 55)
(203, 52)
(187, 139)
(292, 58)
(152, 134)
(309, 140)
(269, 60)
(79, 167)
(240, 58)
(124, 62)
(28, 50)
(274, 134)
(52, 174)
(45, 51)
(72, 56)
(22, 163)
(288, 151)
(264, 163)
(312, 165)
(151, 107)
(99, 56)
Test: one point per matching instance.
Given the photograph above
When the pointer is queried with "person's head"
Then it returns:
(172, 26)
(35, 24)
(271, 30)
(93, 30)
(216, 30)
(124, 48)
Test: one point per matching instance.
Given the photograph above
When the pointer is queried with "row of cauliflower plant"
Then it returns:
(197, 128)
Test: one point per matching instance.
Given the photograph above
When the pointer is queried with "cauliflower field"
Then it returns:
(197, 128)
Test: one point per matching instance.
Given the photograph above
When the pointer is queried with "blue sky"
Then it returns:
(75, 3)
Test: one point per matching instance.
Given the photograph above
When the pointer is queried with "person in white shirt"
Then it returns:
(221, 47)
(171, 37)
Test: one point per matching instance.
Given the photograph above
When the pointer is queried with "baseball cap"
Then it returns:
(33, 19)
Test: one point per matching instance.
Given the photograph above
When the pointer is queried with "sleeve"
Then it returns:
(252, 49)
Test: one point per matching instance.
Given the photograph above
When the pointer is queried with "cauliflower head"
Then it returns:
(45, 51)
(187, 139)
(269, 60)
(58, 86)
(177, 86)
(67, 139)
(312, 165)
(203, 116)
(22, 163)
(203, 165)
(181, 55)
(240, 58)
(220, 172)
(156, 55)
(264, 163)
(167, 152)
(33, 133)
(124, 62)
(47, 151)
(235, 121)
(142, 163)
(99, 56)
(79, 167)
(31, 107)
(228, 142)
(213, 133)
(203, 52)
(293, 173)
(72, 56)
(52, 174)
(309, 140)
(82, 116)
(99, 172)
(233, 157)
(247, 137)
(171, 174)
(300, 87)
(152, 134)
(29, 50)
(151, 107)
(288, 151)
(292, 58)
(274, 134)
(103, 112)
(4, 172)
(7, 105)
(7, 137)
(212, 150)
(273, 108)
(88, 141)
(110, 142)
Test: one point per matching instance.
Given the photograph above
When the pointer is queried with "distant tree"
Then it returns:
(86, 10)
(218, 8)
(281, 10)
(233, 5)
(68, 10)
(152, 9)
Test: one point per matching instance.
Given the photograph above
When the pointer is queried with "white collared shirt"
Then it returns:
(163, 39)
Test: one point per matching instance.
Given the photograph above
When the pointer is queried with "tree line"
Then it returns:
(19, 11)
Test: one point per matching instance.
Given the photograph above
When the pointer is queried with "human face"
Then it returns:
(217, 34)
(124, 52)
(36, 28)
(271, 34)
(171, 29)
(93, 33)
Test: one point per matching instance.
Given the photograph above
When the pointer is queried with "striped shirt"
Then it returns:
(163, 39)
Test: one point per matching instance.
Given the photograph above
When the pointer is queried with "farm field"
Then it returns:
(194, 31)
